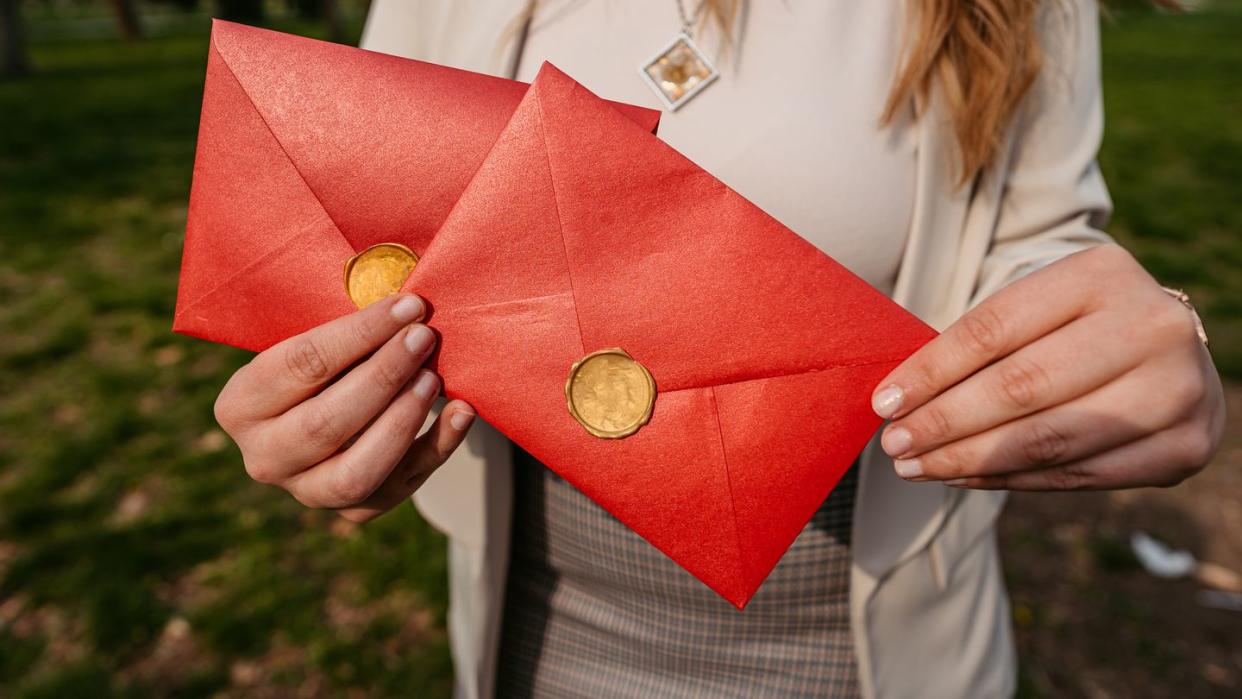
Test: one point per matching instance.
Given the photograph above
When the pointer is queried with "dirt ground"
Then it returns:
(1091, 622)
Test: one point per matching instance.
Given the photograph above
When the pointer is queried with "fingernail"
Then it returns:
(886, 403)
(418, 340)
(896, 441)
(908, 468)
(461, 419)
(425, 385)
(956, 482)
(407, 309)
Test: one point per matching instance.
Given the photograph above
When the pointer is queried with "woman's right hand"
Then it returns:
(333, 415)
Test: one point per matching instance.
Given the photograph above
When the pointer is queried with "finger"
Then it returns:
(1162, 459)
(353, 475)
(292, 371)
(1068, 432)
(1011, 318)
(430, 452)
(317, 428)
(1045, 373)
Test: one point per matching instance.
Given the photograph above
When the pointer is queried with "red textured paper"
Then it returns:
(309, 152)
(581, 231)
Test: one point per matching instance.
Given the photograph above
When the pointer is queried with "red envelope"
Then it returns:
(309, 152)
(581, 231)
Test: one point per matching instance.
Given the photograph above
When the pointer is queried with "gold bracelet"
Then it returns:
(1194, 314)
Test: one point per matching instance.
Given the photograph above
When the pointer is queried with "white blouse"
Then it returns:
(816, 158)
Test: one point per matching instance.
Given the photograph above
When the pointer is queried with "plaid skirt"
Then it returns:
(593, 610)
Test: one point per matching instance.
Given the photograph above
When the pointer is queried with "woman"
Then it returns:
(951, 164)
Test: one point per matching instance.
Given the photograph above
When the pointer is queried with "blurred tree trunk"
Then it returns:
(326, 11)
(332, 16)
(127, 19)
(12, 39)
(244, 11)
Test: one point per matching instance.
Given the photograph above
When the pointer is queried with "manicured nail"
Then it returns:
(418, 340)
(886, 403)
(956, 482)
(460, 420)
(426, 384)
(896, 441)
(908, 468)
(407, 309)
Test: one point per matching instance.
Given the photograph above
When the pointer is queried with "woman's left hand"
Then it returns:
(1082, 375)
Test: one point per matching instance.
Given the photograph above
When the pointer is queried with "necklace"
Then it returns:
(680, 70)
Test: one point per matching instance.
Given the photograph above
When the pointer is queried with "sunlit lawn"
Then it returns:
(1173, 155)
(135, 557)
(134, 554)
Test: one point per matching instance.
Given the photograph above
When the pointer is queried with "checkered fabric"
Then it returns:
(593, 610)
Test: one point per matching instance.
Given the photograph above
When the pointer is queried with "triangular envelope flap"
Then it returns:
(248, 209)
(502, 241)
(788, 441)
(386, 143)
(646, 228)
(290, 291)
(366, 129)
(495, 276)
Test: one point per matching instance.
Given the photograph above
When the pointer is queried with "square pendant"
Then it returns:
(678, 72)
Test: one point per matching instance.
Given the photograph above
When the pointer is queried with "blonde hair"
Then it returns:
(983, 56)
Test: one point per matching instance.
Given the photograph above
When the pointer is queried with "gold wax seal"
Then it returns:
(610, 394)
(378, 272)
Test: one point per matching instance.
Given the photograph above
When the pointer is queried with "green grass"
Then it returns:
(122, 507)
(1173, 156)
(135, 557)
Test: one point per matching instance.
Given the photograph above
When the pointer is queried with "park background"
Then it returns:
(137, 560)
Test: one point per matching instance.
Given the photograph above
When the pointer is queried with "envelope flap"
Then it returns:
(657, 247)
(364, 128)
(367, 129)
(502, 241)
(261, 254)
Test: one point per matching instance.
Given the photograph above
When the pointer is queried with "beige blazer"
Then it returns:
(929, 611)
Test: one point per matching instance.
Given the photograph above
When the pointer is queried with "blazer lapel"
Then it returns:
(894, 518)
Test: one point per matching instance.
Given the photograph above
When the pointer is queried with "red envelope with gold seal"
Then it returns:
(682, 358)
(692, 365)
(309, 152)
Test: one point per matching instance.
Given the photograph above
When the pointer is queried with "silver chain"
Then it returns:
(686, 20)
